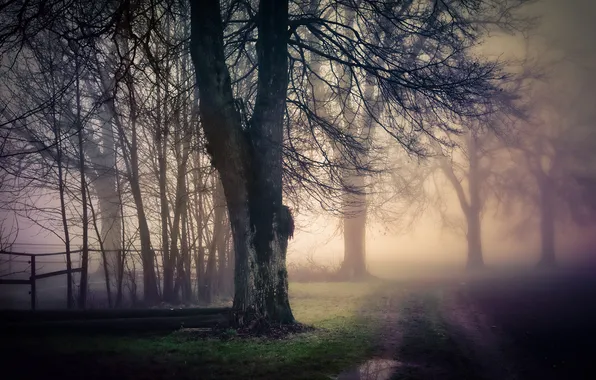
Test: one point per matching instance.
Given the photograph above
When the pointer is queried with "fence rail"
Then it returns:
(32, 281)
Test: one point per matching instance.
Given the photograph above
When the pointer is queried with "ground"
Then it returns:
(513, 326)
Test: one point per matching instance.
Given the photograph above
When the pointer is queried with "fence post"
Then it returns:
(32, 279)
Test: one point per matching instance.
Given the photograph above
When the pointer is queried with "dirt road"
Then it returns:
(517, 327)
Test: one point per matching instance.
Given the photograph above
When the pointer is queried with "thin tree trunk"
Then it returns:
(150, 286)
(157, 275)
(61, 192)
(185, 257)
(192, 252)
(210, 277)
(179, 224)
(547, 223)
(220, 207)
(131, 160)
(168, 270)
(475, 256)
(122, 253)
(230, 261)
(179, 209)
(222, 255)
(105, 179)
(200, 269)
(85, 256)
(106, 272)
(150, 293)
(211, 274)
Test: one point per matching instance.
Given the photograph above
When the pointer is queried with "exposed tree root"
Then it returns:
(259, 328)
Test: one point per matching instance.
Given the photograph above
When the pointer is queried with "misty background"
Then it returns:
(565, 36)
(419, 222)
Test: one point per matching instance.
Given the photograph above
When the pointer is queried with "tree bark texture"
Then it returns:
(249, 161)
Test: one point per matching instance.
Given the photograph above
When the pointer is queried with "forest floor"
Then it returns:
(515, 326)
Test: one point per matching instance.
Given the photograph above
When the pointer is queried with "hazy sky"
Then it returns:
(566, 25)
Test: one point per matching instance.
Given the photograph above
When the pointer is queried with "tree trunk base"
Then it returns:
(257, 325)
(475, 265)
(546, 263)
(264, 328)
(345, 274)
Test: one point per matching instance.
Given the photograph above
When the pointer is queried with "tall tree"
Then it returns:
(256, 106)
(421, 96)
(249, 161)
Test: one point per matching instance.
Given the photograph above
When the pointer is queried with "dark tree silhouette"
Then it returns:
(407, 68)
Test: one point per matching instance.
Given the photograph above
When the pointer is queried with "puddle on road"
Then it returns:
(374, 369)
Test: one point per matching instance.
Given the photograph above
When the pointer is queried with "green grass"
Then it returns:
(353, 323)
(342, 338)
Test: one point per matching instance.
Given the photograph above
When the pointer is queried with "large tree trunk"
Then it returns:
(249, 162)
(355, 203)
(354, 200)
(354, 230)
(547, 222)
(475, 257)
(185, 264)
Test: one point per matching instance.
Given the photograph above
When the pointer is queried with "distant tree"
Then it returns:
(363, 112)
(469, 168)
(553, 166)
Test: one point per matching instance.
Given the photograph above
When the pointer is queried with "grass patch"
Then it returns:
(343, 336)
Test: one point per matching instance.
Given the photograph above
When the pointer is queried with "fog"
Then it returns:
(561, 104)
(565, 34)
(353, 189)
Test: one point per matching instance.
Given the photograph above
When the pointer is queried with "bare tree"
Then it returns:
(258, 119)
(420, 95)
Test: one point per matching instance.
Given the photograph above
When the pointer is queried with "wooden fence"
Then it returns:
(34, 276)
